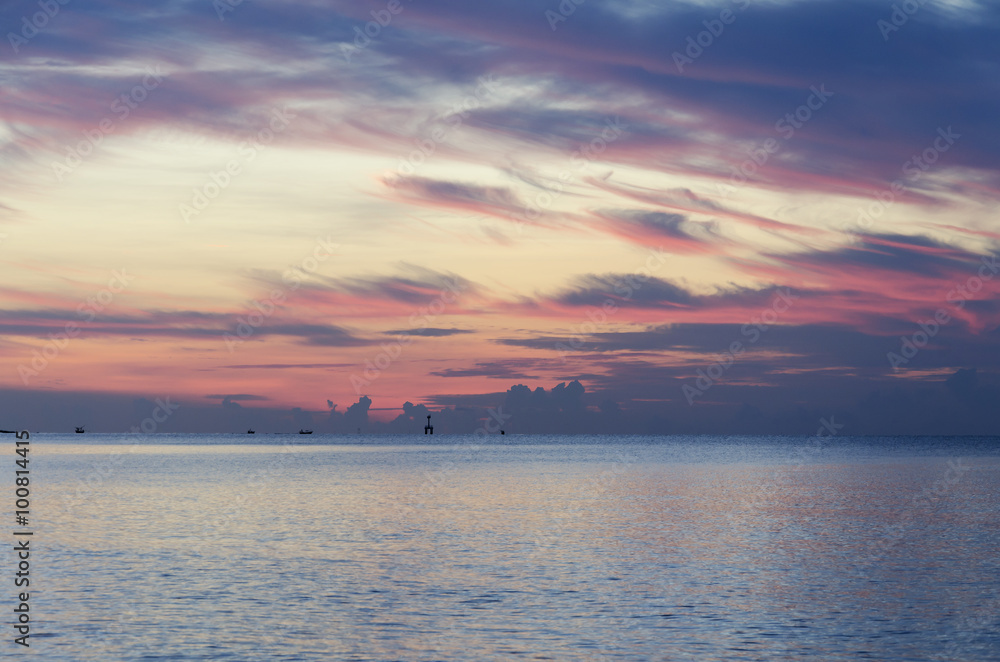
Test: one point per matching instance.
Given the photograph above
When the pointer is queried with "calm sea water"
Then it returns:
(200, 547)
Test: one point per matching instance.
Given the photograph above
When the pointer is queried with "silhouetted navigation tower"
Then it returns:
(428, 429)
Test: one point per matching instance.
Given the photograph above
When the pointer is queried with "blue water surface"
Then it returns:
(295, 547)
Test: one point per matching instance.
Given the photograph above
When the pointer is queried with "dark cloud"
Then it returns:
(879, 116)
(429, 332)
(904, 254)
(675, 226)
(237, 397)
(323, 335)
(178, 324)
(492, 200)
(353, 419)
(801, 347)
(625, 289)
(415, 286)
(890, 99)
(289, 366)
(509, 369)
(643, 291)
(673, 233)
(636, 397)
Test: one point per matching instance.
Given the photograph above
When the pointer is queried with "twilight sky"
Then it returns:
(739, 216)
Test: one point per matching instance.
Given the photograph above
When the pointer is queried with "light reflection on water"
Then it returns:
(619, 549)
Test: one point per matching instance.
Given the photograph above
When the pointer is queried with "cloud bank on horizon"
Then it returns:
(702, 216)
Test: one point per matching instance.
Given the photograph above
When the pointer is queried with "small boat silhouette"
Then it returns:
(80, 430)
(251, 432)
(305, 431)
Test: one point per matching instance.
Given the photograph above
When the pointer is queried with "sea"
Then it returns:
(515, 547)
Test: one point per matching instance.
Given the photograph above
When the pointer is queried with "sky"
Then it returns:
(731, 217)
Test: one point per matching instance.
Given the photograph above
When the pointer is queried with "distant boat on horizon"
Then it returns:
(251, 432)
(80, 430)
(305, 431)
